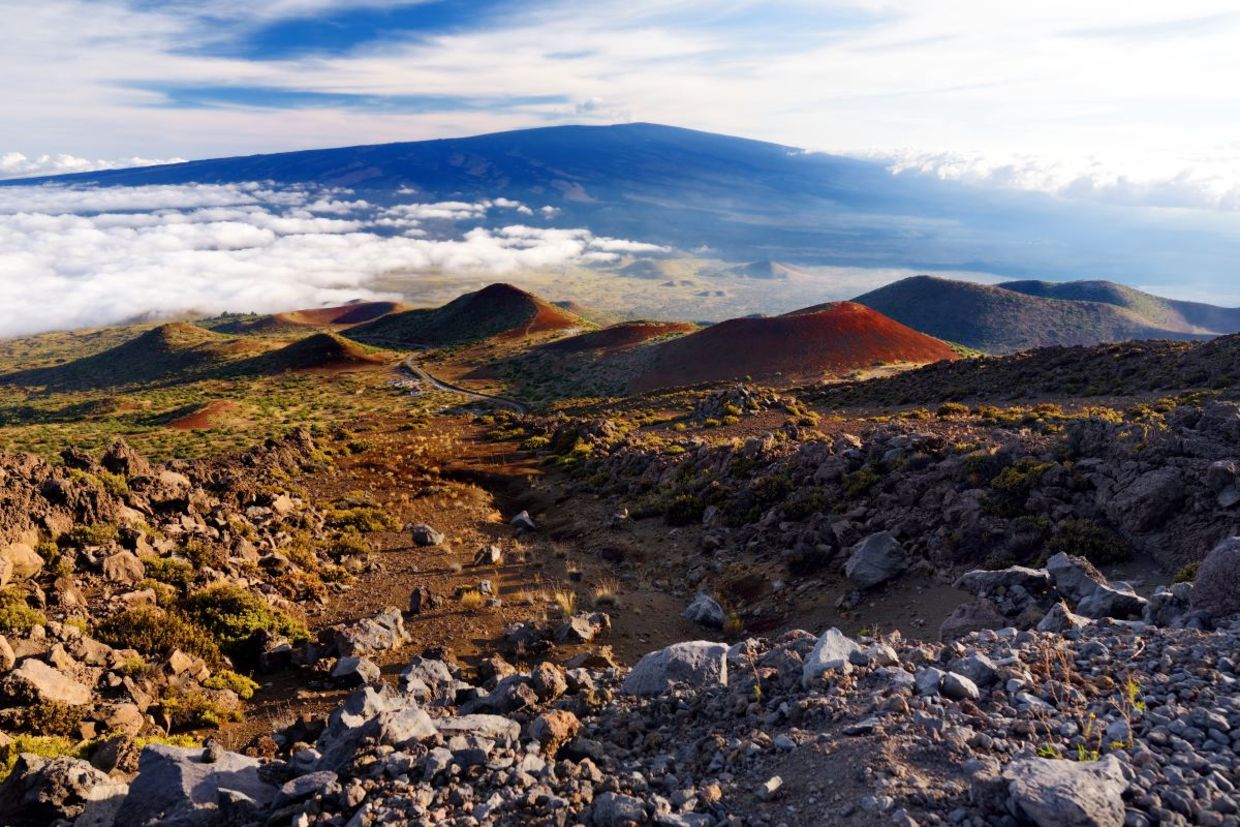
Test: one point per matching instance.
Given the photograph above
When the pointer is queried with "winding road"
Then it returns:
(410, 365)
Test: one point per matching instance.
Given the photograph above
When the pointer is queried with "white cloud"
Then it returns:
(77, 256)
(17, 165)
(1210, 183)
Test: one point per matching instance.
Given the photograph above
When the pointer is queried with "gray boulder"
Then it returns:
(424, 536)
(1052, 793)
(832, 653)
(491, 727)
(617, 810)
(523, 522)
(381, 633)
(1216, 591)
(981, 582)
(1074, 577)
(44, 790)
(1061, 619)
(959, 688)
(353, 671)
(429, 681)
(1147, 502)
(705, 611)
(698, 663)
(876, 559)
(175, 787)
(968, 618)
(1118, 601)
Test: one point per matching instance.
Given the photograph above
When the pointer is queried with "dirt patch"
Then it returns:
(208, 416)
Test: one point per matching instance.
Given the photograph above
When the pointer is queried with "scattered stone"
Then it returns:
(706, 611)
(523, 522)
(424, 536)
(699, 664)
(1067, 793)
(831, 653)
(875, 560)
(353, 671)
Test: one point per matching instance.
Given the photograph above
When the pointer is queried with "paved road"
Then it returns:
(411, 366)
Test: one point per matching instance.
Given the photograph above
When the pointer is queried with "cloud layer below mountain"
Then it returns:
(76, 256)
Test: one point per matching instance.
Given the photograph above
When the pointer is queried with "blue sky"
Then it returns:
(1127, 101)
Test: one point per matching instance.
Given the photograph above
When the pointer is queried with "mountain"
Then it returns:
(174, 349)
(765, 270)
(321, 350)
(342, 316)
(805, 344)
(1001, 320)
(495, 310)
(1173, 315)
(745, 200)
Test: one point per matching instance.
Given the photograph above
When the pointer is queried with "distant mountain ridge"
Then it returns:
(1182, 316)
(1016, 316)
(744, 200)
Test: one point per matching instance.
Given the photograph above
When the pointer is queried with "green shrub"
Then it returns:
(363, 518)
(156, 633)
(1089, 540)
(1187, 573)
(202, 554)
(684, 510)
(16, 615)
(95, 534)
(171, 570)
(228, 679)
(192, 709)
(1010, 490)
(44, 746)
(535, 443)
(859, 482)
(114, 484)
(232, 615)
(952, 410)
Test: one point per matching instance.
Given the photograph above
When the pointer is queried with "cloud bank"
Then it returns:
(81, 256)
(1211, 182)
(17, 165)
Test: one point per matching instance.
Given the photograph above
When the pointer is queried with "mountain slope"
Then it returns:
(495, 310)
(1180, 316)
(292, 320)
(805, 344)
(998, 320)
(748, 200)
(170, 350)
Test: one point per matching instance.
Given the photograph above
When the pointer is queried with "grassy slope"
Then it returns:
(1181, 316)
(993, 319)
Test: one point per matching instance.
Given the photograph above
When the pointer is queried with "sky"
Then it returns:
(1130, 103)
(1063, 96)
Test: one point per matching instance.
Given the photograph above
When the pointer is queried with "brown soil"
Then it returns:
(208, 416)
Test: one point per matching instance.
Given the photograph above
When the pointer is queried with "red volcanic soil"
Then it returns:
(355, 313)
(204, 417)
(617, 337)
(805, 344)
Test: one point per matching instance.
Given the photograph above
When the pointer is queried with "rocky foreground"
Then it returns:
(1072, 722)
